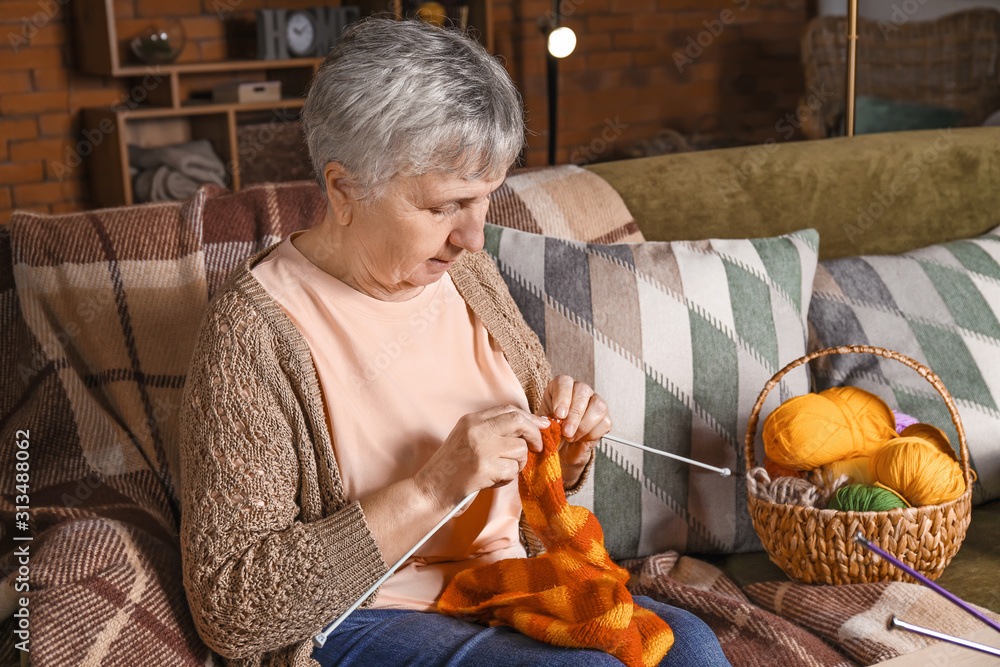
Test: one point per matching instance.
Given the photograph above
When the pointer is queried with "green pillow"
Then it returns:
(679, 338)
(875, 114)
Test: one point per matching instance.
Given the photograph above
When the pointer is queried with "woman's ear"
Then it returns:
(340, 192)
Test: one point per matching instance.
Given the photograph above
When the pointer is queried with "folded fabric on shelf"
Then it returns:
(174, 172)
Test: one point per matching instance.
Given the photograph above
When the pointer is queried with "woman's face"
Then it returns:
(412, 235)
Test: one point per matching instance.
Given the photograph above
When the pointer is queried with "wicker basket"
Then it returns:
(816, 546)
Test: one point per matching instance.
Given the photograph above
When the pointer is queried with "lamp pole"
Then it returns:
(552, 79)
(852, 61)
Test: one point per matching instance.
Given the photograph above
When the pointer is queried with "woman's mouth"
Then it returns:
(442, 263)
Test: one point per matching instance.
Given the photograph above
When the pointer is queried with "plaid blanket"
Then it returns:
(98, 316)
(782, 623)
(749, 635)
(567, 202)
(853, 617)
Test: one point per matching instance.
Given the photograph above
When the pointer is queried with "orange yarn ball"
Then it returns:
(918, 470)
(812, 430)
(775, 471)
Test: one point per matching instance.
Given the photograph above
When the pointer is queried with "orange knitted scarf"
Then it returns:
(573, 594)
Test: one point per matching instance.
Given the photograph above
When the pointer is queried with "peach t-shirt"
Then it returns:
(395, 378)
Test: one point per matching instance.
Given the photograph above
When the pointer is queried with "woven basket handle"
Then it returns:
(924, 371)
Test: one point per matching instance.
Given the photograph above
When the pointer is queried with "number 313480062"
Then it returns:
(21, 466)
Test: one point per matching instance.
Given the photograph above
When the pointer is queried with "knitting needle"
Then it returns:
(896, 623)
(321, 638)
(866, 543)
(725, 472)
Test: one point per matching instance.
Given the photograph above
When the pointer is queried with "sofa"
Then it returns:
(100, 311)
(835, 186)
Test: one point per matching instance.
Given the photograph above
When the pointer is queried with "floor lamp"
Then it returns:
(559, 43)
(852, 61)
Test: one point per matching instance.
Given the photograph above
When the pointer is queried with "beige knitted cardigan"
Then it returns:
(272, 550)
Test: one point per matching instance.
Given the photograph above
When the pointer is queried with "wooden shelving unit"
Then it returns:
(179, 121)
(171, 118)
(162, 109)
(156, 126)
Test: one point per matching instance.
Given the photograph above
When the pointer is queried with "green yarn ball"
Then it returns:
(863, 498)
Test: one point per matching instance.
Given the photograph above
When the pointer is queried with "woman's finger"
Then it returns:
(512, 459)
(558, 396)
(515, 450)
(598, 432)
(520, 424)
(498, 410)
(595, 423)
(578, 407)
(507, 471)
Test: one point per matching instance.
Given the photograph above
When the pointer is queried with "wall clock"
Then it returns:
(301, 33)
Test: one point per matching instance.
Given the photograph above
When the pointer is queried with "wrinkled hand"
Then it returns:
(485, 450)
(585, 421)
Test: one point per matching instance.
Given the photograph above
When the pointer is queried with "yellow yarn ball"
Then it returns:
(812, 430)
(856, 469)
(932, 434)
(918, 470)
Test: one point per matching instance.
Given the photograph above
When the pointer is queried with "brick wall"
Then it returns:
(727, 69)
(38, 93)
(723, 67)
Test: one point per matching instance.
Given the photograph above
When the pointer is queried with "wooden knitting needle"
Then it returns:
(927, 632)
(725, 472)
(321, 638)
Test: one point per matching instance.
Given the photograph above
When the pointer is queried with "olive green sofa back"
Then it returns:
(875, 193)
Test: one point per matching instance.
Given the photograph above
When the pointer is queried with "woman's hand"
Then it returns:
(485, 450)
(585, 421)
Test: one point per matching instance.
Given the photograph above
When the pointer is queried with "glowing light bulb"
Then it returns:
(562, 41)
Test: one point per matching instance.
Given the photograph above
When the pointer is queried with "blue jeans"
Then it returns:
(396, 637)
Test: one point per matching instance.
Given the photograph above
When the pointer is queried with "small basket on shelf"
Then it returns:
(816, 546)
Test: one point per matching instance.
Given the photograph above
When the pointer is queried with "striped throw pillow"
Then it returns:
(679, 338)
(939, 305)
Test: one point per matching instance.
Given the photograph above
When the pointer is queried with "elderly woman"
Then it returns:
(354, 382)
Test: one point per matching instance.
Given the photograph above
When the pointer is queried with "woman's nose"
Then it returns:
(468, 233)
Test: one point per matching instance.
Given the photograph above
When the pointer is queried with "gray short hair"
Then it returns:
(408, 98)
